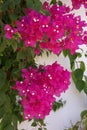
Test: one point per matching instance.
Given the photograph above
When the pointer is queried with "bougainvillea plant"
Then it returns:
(27, 28)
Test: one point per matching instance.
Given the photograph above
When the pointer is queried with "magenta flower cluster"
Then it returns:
(60, 30)
(10, 31)
(39, 88)
(77, 3)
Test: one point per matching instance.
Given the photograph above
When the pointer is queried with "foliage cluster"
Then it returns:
(14, 56)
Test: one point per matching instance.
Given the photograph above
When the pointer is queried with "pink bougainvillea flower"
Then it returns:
(60, 30)
(37, 104)
(77, 3)
(9, 31)
(56, 73)
(38, 89)
(46, 5)
(37, 51)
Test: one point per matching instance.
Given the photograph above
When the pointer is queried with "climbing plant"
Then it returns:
(27, 28)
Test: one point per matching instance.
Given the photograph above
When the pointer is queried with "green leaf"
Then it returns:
(60, 3)
(72, 59)
(25, 57)
(85, 78)
(9, 127)
(8, 63)
(54, 106)
(65, 53)
(21, 54)
(75, 127)
(30, 3)
(77, 75)
(80, 84)
(10, 4)
(45, 128)
(2, 47)
(85, 55)
(14, 46)
(0, 61)
(2, 111)
(2, 77)
(47, 53)
(41, 122)
(6, 120)
(82, 66)
(5, 105)
(34, 124)
(15, 73)
(58, 104)
(2, 96)
(14, 120)
(39, 128)
(85, 88)
(37, 5)
(79, 55)
(83, 113)
(53, 2)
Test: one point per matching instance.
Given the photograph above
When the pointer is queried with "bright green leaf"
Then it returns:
(58, 104)
(72, 59)
(80, 84)
(83, 113)
(85, 88)
(77, 75)
(82, 66)
(55, 106)
(79, 55)
(65, 53)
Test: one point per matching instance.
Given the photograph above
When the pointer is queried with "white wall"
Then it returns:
(75, 101)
